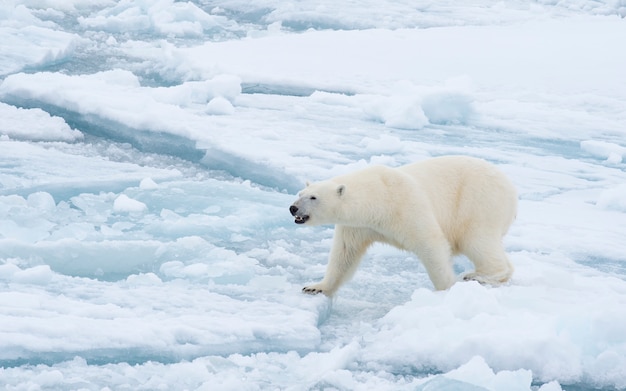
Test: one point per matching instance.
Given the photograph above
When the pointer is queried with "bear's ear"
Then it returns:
(341, 189)
(308, 183)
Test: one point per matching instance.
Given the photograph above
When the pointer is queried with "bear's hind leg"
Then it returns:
(492, 266)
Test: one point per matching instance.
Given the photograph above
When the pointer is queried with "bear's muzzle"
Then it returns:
(300, 219)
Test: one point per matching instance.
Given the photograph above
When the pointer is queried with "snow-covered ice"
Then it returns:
(149, 151)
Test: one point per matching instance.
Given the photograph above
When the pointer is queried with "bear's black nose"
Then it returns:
(293, 209)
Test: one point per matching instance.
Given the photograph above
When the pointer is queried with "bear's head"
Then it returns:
(318, 203)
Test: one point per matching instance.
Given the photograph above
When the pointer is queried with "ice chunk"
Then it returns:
(35, 125)
(148, 184)
(143, 279)
(123, 203)
(31, 46)
(39, 275)
(26, 220)
(551, 386)
(42, 201)
(476, 375)
(442, 383)
(613, 153)
(477, 372)
(447, 108)
(405, 115)
(163, 17)
(193, 92)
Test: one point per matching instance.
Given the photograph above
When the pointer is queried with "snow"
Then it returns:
(149, 151)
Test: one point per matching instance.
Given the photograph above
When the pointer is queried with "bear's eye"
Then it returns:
(313, 198)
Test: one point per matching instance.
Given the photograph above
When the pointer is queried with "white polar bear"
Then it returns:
(435, 208)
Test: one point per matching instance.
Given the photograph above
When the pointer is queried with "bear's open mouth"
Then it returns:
(302, 219)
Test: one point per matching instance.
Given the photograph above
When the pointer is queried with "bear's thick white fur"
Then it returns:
(435, 208)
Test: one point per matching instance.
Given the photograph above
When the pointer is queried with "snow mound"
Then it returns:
(436, 329)
(219, 106)
(614, 198)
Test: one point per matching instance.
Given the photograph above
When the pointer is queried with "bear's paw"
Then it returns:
(492, 280)
(312, 290)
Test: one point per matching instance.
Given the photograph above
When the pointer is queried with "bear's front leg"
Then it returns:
(349, 245)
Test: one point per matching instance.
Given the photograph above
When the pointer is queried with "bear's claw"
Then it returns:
(311, 291)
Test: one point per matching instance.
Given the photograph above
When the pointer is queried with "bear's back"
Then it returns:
(465, 190)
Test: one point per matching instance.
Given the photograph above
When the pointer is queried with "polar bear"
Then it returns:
(434, 208)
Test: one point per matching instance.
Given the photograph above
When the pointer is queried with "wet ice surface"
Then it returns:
(149, 152)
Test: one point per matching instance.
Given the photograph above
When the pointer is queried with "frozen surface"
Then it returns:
(149, 151)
